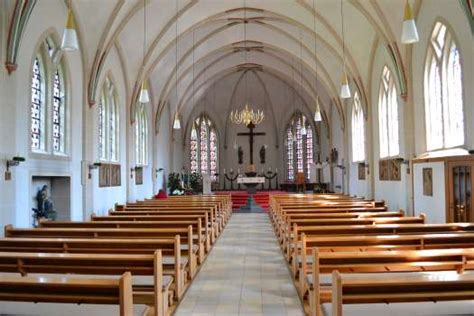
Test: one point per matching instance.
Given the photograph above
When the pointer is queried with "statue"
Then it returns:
(240, 154)
(45, 206)
(262, 155)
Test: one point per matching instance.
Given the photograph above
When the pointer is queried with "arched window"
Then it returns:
(141, 136)
(388, 116)
(204, 147)
(358, 134)
(299, 146)
(443, 92)
(108, 119)
(48, 101)
(38, 106)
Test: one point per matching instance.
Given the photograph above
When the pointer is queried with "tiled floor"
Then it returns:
(245, 274)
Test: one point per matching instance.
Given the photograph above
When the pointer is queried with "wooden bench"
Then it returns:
(169, 248)
(403, 289)
(69, 290)
(383, 264)
(195, 224)
(155, 295)
(186, 236)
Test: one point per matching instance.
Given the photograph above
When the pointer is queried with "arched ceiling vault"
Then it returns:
(192, 15)
(284, 23)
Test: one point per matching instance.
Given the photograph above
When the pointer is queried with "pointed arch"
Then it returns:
(389, 138)
(358, 130)
(299, 146)
(141, 135)
(444, 107)
(204, 146)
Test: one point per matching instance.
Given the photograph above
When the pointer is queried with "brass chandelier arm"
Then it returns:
(247, 116)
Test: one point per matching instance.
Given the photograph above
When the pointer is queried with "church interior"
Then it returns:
(236, 157)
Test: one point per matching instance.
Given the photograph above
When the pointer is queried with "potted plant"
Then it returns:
(195, 182)
(174, 183)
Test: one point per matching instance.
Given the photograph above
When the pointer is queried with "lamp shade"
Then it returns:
(69, 41)
(409, 30)
(345, 89)
(144, 96)
(317, 112)
(176, 123)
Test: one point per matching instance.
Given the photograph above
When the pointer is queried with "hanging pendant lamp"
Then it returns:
(69, 41)
(176, 123)
(144, 96)
(345, 89)
(409, 29)
(317, 112)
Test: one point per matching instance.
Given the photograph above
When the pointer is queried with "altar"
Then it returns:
(251, 183)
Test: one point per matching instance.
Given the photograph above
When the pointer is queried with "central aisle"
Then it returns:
(245, 274)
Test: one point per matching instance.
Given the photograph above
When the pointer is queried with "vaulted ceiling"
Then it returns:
(283, 37)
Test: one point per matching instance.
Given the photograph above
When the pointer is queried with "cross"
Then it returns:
(251, 134)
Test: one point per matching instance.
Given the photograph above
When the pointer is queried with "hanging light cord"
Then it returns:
(193, 67)
(176, 56)
(245, 51)
(343, 38)
(315, 46)
(144, 32)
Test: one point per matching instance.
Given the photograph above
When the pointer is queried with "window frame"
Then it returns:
(292, 147)
(357, 103)
(449, 39)
(51, 60)
(388, 99)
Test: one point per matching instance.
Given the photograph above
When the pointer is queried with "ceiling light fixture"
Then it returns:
(345, 89)
(176, 123)
(409, 29)
(69, 41)
(144, 96)
(317, 111)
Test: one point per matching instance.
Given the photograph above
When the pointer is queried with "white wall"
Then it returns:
(432, 206)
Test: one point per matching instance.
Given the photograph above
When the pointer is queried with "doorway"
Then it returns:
(460, 178)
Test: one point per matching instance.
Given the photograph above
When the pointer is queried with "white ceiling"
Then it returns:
(280, 34)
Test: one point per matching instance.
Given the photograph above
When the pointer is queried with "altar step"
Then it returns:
(261, 199)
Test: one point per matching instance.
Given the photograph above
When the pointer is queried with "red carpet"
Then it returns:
(239, 198)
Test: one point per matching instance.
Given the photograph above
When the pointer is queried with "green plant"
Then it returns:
(195, 182)
(174, 182)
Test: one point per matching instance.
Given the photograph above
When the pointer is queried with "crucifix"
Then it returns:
(251, 134)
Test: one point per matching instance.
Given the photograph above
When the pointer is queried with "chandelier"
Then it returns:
(247, 116)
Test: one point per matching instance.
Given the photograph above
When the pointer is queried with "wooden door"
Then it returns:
(460, 199)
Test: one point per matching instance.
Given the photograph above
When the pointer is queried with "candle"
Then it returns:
(231, 170)
(276, 170)
(238, 171)
(224, 170)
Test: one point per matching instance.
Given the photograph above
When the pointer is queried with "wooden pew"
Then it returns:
(69, 290)
(403, 289)
(155, 295)
(212, 221)
(195, 224)
(186, 236)
(285, 230)
(376, 263)
(173, 263)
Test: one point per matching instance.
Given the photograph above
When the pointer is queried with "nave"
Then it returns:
(245, 274)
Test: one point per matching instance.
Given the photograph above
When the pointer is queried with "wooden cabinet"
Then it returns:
(459, 182)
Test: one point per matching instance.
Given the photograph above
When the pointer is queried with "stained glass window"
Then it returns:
(141, 136)
(443, 92)
(58, 114)
(37, 106)
(388, 116)
(358, 134)
(108, 120)
(48, 102)
(299, 146)
(203, 145)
